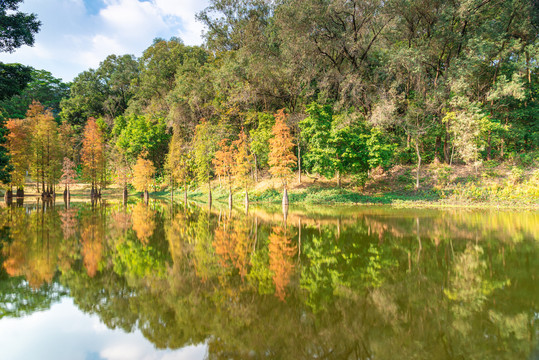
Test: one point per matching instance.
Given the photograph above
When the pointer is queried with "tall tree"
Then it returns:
(203, 151)
(46, 162)
(243, 163)
(260, 141)
(178, 162)
(93, 154)
(19, 147)
(224, 164)
(143, 173)
(281, 156)
(68, 175)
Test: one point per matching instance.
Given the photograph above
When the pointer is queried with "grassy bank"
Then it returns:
(491, 185)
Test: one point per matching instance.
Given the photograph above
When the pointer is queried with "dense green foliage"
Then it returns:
(42, 87)
(16, 29)
(364, 85)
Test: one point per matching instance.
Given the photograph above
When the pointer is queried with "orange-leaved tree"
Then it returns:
(281, 156)
(243, 163)
(143, 172)
(18, 145)
(93, 153)
(224, 163)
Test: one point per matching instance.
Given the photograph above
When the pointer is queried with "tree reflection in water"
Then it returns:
(342, 283)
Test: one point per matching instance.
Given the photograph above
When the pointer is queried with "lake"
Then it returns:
(161, 281)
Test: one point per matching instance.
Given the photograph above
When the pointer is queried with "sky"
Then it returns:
(63, 332)
(76, 35)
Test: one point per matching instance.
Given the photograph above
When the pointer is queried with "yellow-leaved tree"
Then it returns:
(45, 158)
(224, 164)
(281, 156)
(18, 145)
(143, 172)
(243, 163)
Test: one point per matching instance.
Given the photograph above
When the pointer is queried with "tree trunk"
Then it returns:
(447, 153)
(246, 201)
(146, 196)
(437, 144)
(185, 192)
(8, 197)
(256, 169)
(230, 198)
(339, 179)
(124, 194)
(209, 194)
(285, 197)
(418, 164)
(299, 164)
(20, 193)
(489, 146)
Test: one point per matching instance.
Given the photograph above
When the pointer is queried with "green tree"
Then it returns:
(42, 87)
(102, 92)
(203, 152)
(260, 141)
(336, 144)
(17, 28)
(136, 134)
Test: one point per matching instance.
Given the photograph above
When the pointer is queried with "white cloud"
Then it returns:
(72, 39)
(63, 332)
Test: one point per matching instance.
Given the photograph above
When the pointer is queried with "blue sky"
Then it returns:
(78, 34)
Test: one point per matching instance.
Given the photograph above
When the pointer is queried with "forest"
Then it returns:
(334, 89)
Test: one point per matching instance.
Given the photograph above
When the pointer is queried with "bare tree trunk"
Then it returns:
(437, 144)
(418, 164)
(256, 169)
(489, 146)
(246, 202)
(209, 193)
(339, 179)
(299, 164)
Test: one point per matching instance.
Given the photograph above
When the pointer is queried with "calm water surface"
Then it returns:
(172, 282)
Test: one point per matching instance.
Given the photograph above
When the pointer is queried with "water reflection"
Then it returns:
(340, 283)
